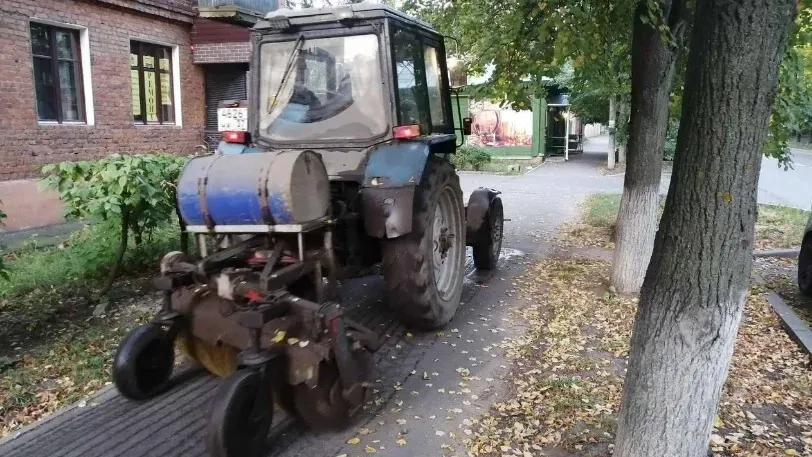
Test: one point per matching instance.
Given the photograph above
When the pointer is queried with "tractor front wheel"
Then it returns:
(424, 269)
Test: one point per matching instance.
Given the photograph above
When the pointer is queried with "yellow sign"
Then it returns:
(164, 64)
(133, 60)
(151, 96)
(136, 92)
(166, 90)
(149, 61)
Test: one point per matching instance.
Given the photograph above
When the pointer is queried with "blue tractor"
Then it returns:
(337, 163)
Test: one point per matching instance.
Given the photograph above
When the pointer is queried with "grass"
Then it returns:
(511, 166)
(52, 350)
(51, 287)
(777, 227)
(601, 210)
(509, 151)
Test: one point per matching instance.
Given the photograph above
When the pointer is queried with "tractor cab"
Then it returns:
(348, 77)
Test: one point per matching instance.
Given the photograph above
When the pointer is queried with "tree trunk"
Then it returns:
(695, 287)
(122, 248)
(612, 128)
(653, 67)
(622, 116)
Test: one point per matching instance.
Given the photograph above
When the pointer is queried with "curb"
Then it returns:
(780, 253)
(795, 327)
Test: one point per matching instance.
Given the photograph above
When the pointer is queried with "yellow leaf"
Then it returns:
(717, 422)
(354, 440)
(369, 450)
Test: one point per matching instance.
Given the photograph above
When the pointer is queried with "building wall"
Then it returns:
(222, 53)
(28, 144)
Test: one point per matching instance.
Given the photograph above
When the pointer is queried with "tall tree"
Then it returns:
(521, 42)
(695, 287)
(656, 42)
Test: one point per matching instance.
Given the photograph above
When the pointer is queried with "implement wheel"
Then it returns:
(324, 407)
(424, 269)
(143, 362)
(241, 416)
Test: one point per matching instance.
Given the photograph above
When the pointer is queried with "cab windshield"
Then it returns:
(322, 89)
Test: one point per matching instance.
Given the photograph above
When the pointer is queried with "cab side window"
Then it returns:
(410, 80)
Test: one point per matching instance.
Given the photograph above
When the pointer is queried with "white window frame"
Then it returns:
(87, 74)
(175, 79)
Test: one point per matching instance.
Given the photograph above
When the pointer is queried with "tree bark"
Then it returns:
(695, 287)
(653, 67)
(612, 128)
(122, 248)
(622, 116)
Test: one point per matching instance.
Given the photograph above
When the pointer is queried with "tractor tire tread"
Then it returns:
(407, 265)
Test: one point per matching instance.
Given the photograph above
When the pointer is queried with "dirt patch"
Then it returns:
(72, 363)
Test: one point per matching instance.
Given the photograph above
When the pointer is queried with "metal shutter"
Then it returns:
(223, 82)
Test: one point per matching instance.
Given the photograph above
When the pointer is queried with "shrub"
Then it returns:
(134, 192)
(470, 158)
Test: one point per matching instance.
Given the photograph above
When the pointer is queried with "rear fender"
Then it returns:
(476, 213)
(391, 174)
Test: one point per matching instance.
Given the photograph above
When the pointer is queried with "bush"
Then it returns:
(136, 193)
(470, 158)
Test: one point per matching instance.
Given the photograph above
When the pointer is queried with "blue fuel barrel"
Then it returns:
(279, 187)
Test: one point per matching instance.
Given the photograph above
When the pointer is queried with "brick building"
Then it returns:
(81, 79)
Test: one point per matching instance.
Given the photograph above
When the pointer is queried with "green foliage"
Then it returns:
(470, 158)
(49, 286)
(792, 111)
(140, 186)
(137, 192)
(81, 261)
(590, 108)
(522, 41)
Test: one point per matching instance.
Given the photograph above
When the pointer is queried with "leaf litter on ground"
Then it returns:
(567, 378)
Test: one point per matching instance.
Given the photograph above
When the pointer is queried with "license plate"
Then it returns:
(232, 119)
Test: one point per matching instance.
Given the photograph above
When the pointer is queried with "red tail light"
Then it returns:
(235, 137)
(405, 132)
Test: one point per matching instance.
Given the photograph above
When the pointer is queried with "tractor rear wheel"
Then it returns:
(424, 269)
(805, 267)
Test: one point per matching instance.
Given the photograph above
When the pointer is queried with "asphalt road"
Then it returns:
(791, 187)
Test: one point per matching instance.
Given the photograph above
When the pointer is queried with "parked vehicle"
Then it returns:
(805, 261)
(338, 162)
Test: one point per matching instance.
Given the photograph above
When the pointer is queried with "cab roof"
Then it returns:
(343, 13)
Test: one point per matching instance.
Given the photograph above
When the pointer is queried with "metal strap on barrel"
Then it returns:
(202, 183)
(262, 190)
